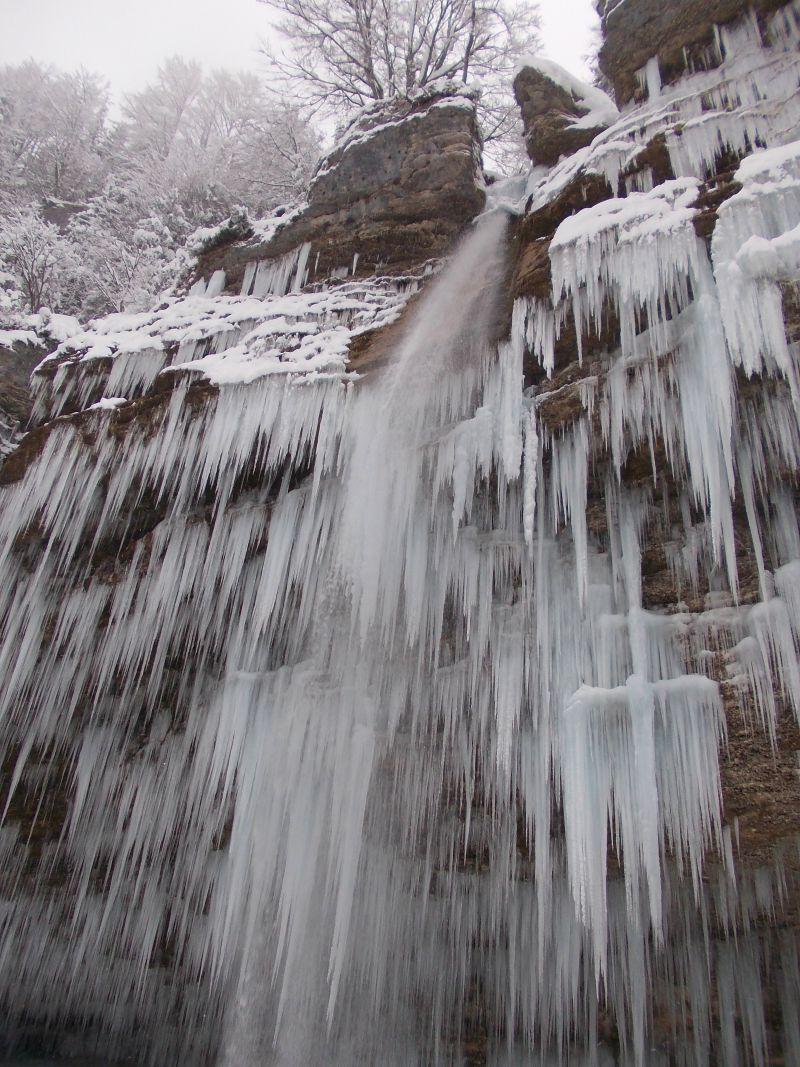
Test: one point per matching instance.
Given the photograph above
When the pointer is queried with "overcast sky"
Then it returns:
(125, 40)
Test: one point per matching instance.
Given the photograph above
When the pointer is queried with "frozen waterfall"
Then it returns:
(339, 728)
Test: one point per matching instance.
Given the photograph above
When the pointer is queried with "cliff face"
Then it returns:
(402, 181)
(658, 267)
(272, 363)
(401, 658)
(682, 35)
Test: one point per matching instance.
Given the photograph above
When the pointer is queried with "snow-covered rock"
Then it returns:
(560, 113)
(402, 182)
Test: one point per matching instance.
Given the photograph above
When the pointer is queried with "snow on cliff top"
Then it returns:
(600, 108)
(378, 117)
(636, 217)
(9, 338)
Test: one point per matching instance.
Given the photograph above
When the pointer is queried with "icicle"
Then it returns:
(321, 665)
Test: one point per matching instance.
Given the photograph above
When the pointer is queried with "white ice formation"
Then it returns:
(372, 739)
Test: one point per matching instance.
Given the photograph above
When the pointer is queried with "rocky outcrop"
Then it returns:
(17, 360)
(401, 183)
(681, 33)
(560, 114)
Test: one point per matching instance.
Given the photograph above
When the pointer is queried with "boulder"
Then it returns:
(560, 113)
(402, 182)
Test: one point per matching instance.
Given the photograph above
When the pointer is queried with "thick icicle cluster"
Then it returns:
(272, 327)
(346, 724)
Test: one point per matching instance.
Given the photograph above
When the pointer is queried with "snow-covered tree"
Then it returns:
(262, 148)
(126, 239)
(52, 129)
(219, 139)
(191, 148)
(215, 139)
(44, 264)
(157, 115)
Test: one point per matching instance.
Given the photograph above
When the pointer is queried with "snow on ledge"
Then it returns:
(769, 163)
(600, 108)
(9, 338)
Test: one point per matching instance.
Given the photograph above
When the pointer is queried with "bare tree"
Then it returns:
(347, 53)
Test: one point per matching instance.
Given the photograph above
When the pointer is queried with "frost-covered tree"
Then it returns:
(347, 53)
(44, 264)
(126, 238)
(191, 148)
(220, 139)
(52, 130)
(262, 149)
(158, 115)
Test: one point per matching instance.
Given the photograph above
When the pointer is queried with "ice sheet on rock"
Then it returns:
(755, 248)
(630, 754)
(276, 277)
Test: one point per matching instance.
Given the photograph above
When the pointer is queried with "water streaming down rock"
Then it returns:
(345, 703)
(379, 721)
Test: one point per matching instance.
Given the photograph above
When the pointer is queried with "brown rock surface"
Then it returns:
(548, 116)
(16, 365)
(397, 190)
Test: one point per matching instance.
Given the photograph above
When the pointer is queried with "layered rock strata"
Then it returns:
(401, 183)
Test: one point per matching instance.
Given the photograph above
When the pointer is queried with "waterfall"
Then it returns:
(339, 726)
(343, 703)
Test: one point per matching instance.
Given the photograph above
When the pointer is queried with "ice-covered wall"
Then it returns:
(440, 705)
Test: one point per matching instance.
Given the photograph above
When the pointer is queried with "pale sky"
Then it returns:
(125, 40)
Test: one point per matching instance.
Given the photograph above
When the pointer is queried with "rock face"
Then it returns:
(587, 371)
(559, 113)
(680, 32)
(17, 360)
(401, 184)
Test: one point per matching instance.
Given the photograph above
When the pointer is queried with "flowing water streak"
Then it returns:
(384, 559)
